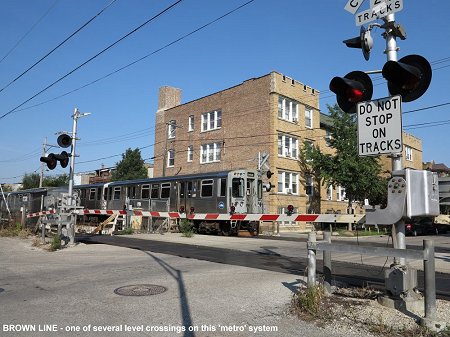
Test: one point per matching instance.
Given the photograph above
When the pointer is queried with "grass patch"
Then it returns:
(16, 230)
(126, 231)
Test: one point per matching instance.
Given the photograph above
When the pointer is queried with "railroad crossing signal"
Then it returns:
(410, 77)
(64, 140)
(364, 41)
(351, 89)
(52, 160)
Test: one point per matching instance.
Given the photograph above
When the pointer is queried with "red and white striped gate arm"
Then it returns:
(32, 215)
(330, 218)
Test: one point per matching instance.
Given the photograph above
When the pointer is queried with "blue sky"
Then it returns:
(301, 39)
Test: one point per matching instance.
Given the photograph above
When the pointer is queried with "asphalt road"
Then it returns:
(71, 293)
(262, 256)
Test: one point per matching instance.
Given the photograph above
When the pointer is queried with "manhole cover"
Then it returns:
(140, 290)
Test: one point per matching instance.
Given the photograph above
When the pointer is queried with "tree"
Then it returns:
(130, 167)
(31, 180)
(360, 176)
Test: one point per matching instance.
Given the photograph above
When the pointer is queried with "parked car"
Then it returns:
(425, 226)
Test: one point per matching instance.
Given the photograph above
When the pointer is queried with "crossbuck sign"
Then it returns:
(380, 126)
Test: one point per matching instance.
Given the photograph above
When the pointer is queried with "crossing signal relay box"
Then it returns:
(422, 193)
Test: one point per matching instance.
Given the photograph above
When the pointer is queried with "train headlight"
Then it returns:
(192, 209)
(182, 209)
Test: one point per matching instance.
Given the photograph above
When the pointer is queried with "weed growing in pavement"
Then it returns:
(309, 301)
(16, 230)
(56, 243)
(186, 228)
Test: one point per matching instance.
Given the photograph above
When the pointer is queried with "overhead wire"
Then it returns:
(29, 31)
(141, 58)
(92, 58)
(59, 45)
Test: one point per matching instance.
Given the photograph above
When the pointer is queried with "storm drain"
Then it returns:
(140, 290)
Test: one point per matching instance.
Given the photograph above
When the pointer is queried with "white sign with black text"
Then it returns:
(380, 126)
(379, 9)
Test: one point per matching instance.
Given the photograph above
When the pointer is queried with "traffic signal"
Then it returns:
(364, 41)
(410, 77)
(52, 159)
(351, 89)
(64, 140)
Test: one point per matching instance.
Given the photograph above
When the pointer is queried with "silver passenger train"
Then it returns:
(237, 191)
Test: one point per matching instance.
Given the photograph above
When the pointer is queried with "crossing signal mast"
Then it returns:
(411, 193)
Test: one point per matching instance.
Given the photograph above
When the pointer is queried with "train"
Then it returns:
(226, 192)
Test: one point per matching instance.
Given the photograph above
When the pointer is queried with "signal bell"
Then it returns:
(64, 140)
(351, 89)
(410, 77)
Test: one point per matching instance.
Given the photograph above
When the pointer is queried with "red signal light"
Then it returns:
(351, 89)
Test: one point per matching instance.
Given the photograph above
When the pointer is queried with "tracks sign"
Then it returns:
(380, 126)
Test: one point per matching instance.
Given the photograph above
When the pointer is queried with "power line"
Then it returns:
(28, 32)
(59, 45)
(142, 58)
(92, 58)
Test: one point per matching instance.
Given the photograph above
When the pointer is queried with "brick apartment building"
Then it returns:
(227, 129)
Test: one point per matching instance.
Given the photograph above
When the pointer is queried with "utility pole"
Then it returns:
(76, 115)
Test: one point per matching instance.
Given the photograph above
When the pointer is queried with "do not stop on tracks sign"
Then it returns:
(380, 126)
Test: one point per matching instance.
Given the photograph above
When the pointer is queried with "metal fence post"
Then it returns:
(327, 265)
(430, 280)
(311, 260)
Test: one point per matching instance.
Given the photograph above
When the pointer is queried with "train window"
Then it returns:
(99, 193)
(155, 191)
(116, 194)
(237, 187)
(92, 194)
(223, 187)
(165, 190)
(206, 189)
(260, 189)
(131, 192)
(145, 191)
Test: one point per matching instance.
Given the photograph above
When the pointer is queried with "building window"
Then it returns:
(309, 185)
(287, 109)
(190, 153)
(328, 137)
(308, 118)
(408, 153)
(287, 182)
(170, 158)
(210, 153)
(171, 129)
(191, 123)
(330, 192)
(340, 194)
(211, 120)
(206, 188)
(287, 146)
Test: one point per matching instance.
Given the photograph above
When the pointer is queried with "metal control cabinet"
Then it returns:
(422, 193)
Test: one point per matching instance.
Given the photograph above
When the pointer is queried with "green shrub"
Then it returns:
(56, 243)
(186, 228)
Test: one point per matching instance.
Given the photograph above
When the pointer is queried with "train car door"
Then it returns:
(181, 200)
(251, 193)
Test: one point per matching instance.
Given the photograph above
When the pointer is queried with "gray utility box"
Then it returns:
(422, 193)
(400, 281)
